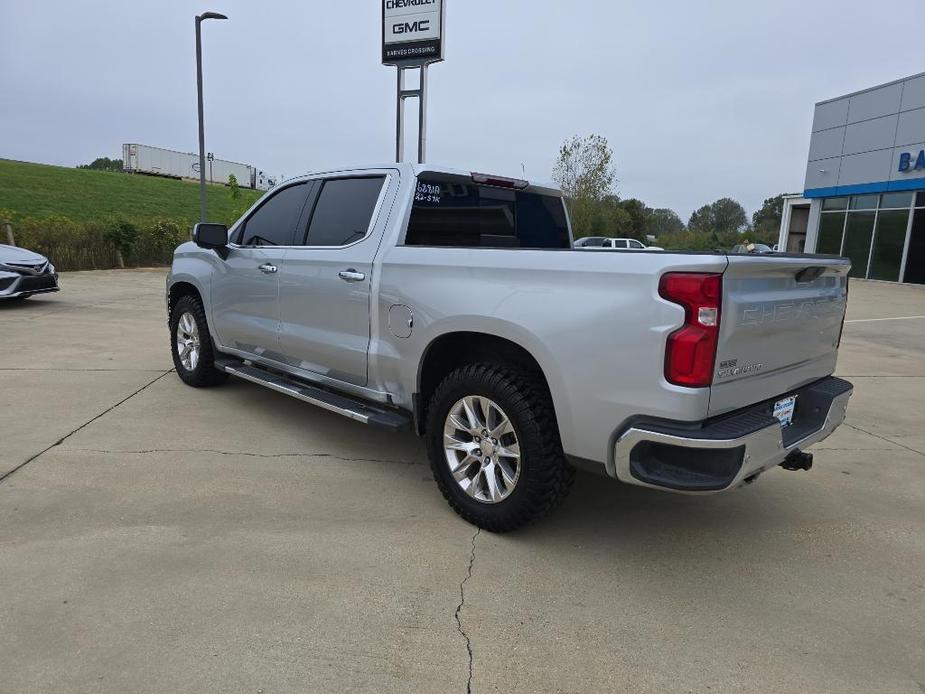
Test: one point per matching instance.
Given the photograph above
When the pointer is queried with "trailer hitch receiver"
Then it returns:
(798, 460)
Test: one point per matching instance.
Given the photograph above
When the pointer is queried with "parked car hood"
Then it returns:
(14, 254)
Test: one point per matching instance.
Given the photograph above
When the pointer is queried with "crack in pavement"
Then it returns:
(884, 438)
(13, 368)
(248, 454)
(19, 467)
(462, 601)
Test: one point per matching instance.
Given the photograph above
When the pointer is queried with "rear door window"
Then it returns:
(274, 223)
(454, 211)
(344, 211)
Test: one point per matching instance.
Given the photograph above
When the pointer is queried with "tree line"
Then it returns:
(103, 164)
(585, 171)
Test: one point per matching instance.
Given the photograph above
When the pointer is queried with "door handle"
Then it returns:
(351, 275)
(268, 269)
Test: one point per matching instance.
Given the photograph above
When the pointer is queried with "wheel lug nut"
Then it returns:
(478, 439)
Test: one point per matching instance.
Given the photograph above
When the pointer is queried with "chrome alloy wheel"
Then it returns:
(481, 449)
(188, 341)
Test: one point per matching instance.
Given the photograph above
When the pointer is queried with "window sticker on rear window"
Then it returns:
(450, 211)
(427, 192)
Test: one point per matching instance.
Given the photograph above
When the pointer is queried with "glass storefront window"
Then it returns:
(915, 259)
(864, 202)
(858, 230)
(871, 230)
(889, 240)
(895, 200)
(831, 227)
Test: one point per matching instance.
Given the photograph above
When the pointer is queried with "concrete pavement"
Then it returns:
(232, 539)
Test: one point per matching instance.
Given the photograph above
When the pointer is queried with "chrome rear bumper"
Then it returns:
(727, 451)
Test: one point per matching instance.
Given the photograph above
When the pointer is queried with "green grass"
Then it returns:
(39, 190)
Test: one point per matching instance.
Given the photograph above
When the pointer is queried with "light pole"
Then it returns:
(203, 212)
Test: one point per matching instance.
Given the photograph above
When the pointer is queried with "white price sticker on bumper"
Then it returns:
(783, 410)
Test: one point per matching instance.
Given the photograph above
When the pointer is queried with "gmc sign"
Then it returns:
(412, 32)
(412, 28)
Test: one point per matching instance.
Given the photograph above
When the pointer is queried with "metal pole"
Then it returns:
(399, 116)
(203, 211)
(8, 228)
(422, 116)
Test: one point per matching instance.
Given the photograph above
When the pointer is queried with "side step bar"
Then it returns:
(332, 402)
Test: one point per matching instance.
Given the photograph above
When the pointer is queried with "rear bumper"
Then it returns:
(728, 451)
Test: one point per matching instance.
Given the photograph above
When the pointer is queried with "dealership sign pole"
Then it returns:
(412, 37)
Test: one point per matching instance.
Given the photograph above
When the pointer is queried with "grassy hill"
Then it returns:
(38, 190)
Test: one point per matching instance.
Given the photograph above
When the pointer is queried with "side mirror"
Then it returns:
(214, 236)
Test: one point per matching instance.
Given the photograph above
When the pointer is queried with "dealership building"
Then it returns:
(864, 195)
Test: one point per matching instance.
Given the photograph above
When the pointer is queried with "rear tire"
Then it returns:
(191, 345)
(518, 473)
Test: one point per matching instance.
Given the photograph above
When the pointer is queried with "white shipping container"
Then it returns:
(218, 170)
(157, 161)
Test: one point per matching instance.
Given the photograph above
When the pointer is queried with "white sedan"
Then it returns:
(24, 273)
(598, 243)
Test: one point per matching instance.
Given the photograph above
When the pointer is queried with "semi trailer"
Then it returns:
(157, 161)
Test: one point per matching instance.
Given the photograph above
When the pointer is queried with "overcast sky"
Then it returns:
(699, 100)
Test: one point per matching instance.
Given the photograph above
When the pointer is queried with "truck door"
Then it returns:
(245, 288)
(325, 281)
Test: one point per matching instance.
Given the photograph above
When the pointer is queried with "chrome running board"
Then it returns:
(357, 410)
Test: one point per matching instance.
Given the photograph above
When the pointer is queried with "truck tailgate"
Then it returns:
(779, 328)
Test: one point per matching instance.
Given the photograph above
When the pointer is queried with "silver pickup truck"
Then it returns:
(453, 304)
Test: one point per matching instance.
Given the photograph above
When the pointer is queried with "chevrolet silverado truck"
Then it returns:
(452, 304)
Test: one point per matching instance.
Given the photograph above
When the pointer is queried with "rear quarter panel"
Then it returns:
(593, 321)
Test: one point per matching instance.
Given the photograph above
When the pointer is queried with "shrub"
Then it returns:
(122, 236)
(69, 246)
(707, 241)
(157, 241)
(94, 245)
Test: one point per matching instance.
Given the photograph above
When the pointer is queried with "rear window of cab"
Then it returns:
(450, 211)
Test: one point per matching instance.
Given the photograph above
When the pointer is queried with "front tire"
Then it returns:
(191, 345)
(494, 448)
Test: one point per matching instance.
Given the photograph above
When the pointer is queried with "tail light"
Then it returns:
(691, 350)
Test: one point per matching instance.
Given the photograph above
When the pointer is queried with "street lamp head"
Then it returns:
(211, 15)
